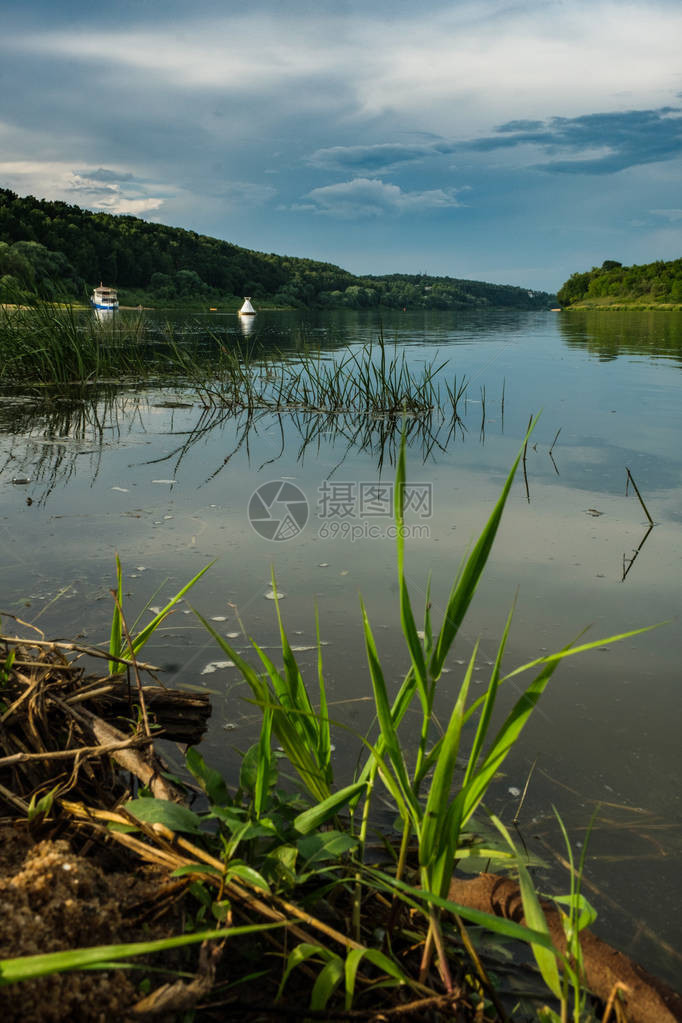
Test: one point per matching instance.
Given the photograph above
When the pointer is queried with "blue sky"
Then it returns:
(511, 142)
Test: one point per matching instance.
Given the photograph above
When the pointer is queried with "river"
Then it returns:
(152, 476)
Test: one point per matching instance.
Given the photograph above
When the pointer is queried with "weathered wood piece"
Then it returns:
(182, 715)
(646, 998)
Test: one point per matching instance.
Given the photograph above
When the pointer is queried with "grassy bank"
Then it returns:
(606, 304)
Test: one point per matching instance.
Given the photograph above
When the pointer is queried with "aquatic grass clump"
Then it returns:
(373, 380)
(52, 344)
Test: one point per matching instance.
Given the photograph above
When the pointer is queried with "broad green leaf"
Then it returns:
(580, 908)
(312, 819)
(210, 780)
(373, 955)
(162, 811)
(246, 873)
(325, 845)
(328, 980)
(299, 955)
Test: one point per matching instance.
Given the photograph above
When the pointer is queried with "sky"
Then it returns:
(512, 142)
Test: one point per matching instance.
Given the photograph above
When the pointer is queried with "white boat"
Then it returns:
(247, 309)
(104, 299)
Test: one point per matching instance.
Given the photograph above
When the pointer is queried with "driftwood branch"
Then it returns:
(71, 754)
(646, 998)
(77, 648)
(146, 770)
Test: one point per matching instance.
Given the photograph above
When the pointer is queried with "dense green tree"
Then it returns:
(650, 283)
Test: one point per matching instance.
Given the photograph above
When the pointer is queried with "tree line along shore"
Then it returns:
(56, 250)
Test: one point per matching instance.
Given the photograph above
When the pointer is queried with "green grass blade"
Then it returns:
(434, 832)
(505, 739)
(407, 622)
(464, 588)
(319, 814)
(486, 714)
(373, 955)
(494, 924)
(535, 918)
(324, 743)
(115, 639)
(297, 693)
(258, 686)
(293, 737)
(27, 967)
(264, 769)
(306, 950)
(142, 637)
(283, 723)
(389, 735)
(570, 650)
(399, 708)
(326, 984)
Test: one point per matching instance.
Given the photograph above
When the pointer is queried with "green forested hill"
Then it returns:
(658, 283)
(53, 249)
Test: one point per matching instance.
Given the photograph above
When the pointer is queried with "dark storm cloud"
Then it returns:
(104, 175)
(382, 156)
(621, 140)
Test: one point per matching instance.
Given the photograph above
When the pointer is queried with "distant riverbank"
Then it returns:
(621, 306)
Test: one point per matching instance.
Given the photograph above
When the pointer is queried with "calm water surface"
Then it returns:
(152, 476)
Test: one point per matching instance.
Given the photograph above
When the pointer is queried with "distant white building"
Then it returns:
(247, 309)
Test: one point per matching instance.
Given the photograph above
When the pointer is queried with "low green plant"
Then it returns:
(122, 643)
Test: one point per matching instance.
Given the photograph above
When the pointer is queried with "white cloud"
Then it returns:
(57, 180)
(447, 68)
(671, 215)
(371, 197)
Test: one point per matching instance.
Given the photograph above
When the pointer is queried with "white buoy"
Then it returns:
(247, 309)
